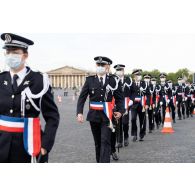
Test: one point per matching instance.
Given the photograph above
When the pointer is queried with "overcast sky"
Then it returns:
(166, 52)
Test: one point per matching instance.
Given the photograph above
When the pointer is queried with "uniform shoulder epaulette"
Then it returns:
(4, 72)
(113, 75)
(90, 76)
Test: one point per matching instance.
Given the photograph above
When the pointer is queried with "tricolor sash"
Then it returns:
(32, 136)
(106, 107)
(144, 101)
(138, 99)
(126, 102)
(11, 124)
(96, 106)
(31, 129)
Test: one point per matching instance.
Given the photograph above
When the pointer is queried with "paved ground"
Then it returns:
(74, 142)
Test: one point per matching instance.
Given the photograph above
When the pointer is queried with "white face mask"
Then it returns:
(179, 82)
(119, 73)
(147, 80)
(170, 85)
(139, 77)
(153, 82)
(100, 70)
(162, 80)
(13, 60)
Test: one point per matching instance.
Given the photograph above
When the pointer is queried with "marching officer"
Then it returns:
(171, 100)
(126, 88)
(154, 91)
(23, 95)
(180, 98)
(189, 97)
(149, 102)
(138, 92)
(101, 88)
(163, 92)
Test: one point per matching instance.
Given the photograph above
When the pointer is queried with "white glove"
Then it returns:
(161, 103)
(130, 103)
(168, 101)
(186, 98)
(176, 102)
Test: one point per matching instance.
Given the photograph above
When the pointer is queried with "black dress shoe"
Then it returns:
(115, 156)
(179, 118)
(141, 139)
(174, 121)
(119, 145)
(134, 138)
(191, 115)
(184, 117)
(150, 131)
(126, 142)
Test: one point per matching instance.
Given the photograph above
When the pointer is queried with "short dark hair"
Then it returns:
(25, 50)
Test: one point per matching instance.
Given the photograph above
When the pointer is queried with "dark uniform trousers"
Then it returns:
(151, 118)
(181, 108)
(137, 110)
(125, 122)
(172, 108)
(189, 107)
(116, 136)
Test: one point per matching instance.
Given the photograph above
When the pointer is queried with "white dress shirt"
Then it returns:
(104, 78)
(21, 75)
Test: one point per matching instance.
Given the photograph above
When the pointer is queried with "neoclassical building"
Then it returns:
(68, 77)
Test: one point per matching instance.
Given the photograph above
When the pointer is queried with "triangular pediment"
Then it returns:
(68, 70)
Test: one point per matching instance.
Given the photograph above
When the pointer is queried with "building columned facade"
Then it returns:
(68, 77)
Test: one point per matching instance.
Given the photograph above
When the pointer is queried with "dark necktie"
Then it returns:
(101, 81)
(15, 85)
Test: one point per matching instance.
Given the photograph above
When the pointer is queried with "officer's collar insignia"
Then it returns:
(5, 83)
(26, 83)
(8, 38)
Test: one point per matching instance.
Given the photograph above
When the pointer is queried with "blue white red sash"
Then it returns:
(11, 124)
(105, 106)
(143, 101)
(138, 99)
(32, 136)
(31, 129)
(96, 106)
(108, 109)
(127, 99)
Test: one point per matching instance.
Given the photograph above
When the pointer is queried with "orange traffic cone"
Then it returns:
(167, 123)
(194, 111)
(59, 99)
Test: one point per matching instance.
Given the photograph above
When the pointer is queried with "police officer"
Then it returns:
(138, 92)
(180, 98)
(23, 95)
(171, 101)
(101, 89)
(126, 88)
(189, 97)
(154, 91)
(163, 92)
(149, 101)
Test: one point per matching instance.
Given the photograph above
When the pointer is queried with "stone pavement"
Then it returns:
(74, 141)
